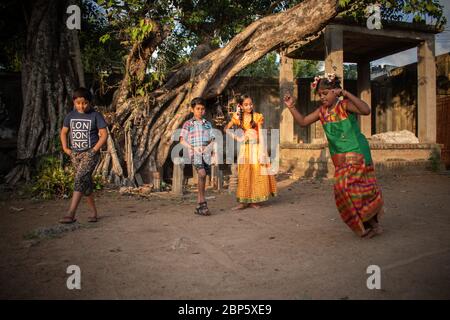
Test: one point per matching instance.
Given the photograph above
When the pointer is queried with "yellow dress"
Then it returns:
(255, 184)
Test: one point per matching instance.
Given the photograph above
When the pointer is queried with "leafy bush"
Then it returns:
(53, 180)
(435, 159)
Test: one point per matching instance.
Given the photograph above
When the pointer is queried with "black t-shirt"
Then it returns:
(84, 128)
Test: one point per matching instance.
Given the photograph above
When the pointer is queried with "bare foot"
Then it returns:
(366, 232)
(255, 206)
(378, 230)
(372, 232)
(241, 206)
(375, 225)
(380, 214)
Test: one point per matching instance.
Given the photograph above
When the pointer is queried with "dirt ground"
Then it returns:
(296, 247)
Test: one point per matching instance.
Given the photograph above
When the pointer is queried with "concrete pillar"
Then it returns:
(178, 177)
(216, 177)
(334, 63)
(214, 173)
(219, 179)
(157, 179)
(232, 186)
(286, 86)
(334, 51)
(365, 94)
(389, 111)
(426, 91)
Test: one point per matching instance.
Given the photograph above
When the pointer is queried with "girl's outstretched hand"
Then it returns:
(288, 100)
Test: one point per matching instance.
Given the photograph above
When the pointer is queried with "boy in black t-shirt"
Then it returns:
(87, 130)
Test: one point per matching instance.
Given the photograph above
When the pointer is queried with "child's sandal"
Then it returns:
(67, 220)
(202, 209)
(199, 209)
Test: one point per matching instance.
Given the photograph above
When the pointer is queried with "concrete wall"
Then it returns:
(394, 101)
(314, 161)
(394, 97)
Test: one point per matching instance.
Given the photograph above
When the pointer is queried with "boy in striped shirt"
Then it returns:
(197, 136)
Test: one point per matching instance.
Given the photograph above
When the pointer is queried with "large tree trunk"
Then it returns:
(48, 79)
(144, 126)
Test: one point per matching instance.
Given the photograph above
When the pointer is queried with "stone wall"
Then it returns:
(314, 161)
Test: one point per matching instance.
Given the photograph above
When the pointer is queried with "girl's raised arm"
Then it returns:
(298, 117)
(355, 104)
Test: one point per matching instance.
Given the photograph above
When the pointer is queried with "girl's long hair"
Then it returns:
(240, 101)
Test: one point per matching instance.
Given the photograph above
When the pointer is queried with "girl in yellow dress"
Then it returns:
(255, 184)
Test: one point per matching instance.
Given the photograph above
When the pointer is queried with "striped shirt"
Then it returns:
(198, 133)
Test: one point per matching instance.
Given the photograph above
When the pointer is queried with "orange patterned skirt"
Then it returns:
(357, 194)
(255, 184)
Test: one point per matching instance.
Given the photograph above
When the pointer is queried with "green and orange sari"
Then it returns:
(357, 194)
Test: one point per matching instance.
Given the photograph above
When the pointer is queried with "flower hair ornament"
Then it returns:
(315, 82)
(328, 77)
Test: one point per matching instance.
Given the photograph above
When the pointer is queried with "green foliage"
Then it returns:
(307, 68)
(350, 71)
(104, 38)
(266, 67)
(139, 32)
(98, 182)
(216, 22)
(435, 160)
(128, 20)
(192, 23)
(174, 51)
(101, 53)
(108, 24)
(148, 85)
(420, 11)
(53, 180)
(221, 20)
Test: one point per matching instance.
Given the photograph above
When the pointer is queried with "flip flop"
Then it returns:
(92, 219)
(67, 220)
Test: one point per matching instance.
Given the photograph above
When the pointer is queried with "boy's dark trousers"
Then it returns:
(84, 163)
